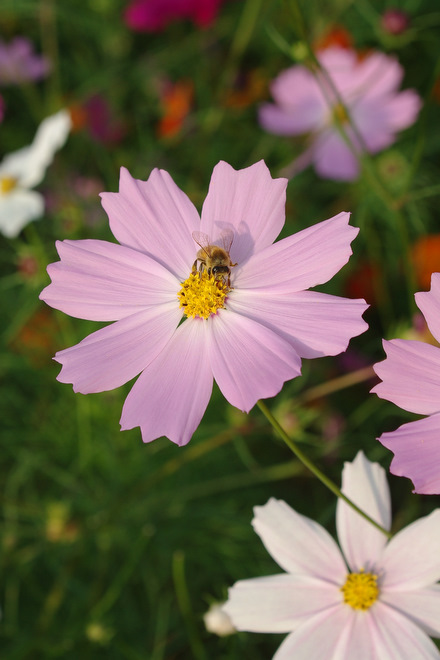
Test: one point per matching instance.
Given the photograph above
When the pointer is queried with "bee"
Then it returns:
(214, 259)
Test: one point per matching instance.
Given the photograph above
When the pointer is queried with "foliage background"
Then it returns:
(111, 548)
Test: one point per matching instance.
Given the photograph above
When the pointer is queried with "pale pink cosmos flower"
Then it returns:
(19, 64)
(376, 599)
(411, 379)
(306, 103)
(249, 336)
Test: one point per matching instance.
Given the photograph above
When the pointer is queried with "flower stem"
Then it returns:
(314, 469)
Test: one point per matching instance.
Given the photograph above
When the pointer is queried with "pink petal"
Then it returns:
(340, 65)
(278, 603)
(283, 121)
(154, 217)
(422, 606)
(170, 396)
(247, 201)
(315, 324)
(429, 304)
(403, 109)
(411, 559)
(325, 635)
(300, 105)
(117, 353)
(395, 637)
(309, 257)
(333, 157)
(376, 75)
(365, 484)
(410, 375)
(103, 281)
(249, 361)
(298, 544)
(372, 120)
(296, 88)
(416, 449)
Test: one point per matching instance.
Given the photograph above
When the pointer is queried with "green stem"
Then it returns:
(184, 602)
(315, 470)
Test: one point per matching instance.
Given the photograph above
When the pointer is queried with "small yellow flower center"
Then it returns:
(202, 295)
(7, 183)
(340, 114)
(360, 590)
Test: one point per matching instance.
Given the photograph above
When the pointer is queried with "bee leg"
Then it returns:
(194, 267)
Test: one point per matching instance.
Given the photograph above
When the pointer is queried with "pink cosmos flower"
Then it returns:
(411, 380)
(248, 334)
(19, 64)
(155, 15)
(305, 103)
(375, 599)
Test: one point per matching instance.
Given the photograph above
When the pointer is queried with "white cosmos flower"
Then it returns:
(375, 600)
(24, 169)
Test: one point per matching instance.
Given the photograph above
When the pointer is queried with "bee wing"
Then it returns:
(226, 238)
(203, 240)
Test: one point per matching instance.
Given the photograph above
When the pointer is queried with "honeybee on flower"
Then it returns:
(214, 258)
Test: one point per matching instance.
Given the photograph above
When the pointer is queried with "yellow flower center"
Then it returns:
(7, 183)
(340, 114)
(202, 295)
(360, 590)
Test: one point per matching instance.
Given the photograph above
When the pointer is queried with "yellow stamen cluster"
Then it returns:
(360, 590)
(7, 184)
(340, 114)
(202, 295)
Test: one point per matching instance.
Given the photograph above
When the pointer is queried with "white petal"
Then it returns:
(365, 484)
(395, 637)
(298, 544)
(28, 165)
(17, 209)
(278, 603)
(411, 559)
(324, 636)
(422, 606)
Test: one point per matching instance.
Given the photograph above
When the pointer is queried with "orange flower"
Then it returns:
(426, 259)
(37, 339)
(249, 86)
(176, 102)
(337, 35)
(363, 282)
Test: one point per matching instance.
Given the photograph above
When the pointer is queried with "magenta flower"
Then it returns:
(411, 380)
(19, 64)
(374, 600)
(155, 15)
(248, 334)
(305, 103)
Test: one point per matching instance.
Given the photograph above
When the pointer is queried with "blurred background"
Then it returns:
(114, 549)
